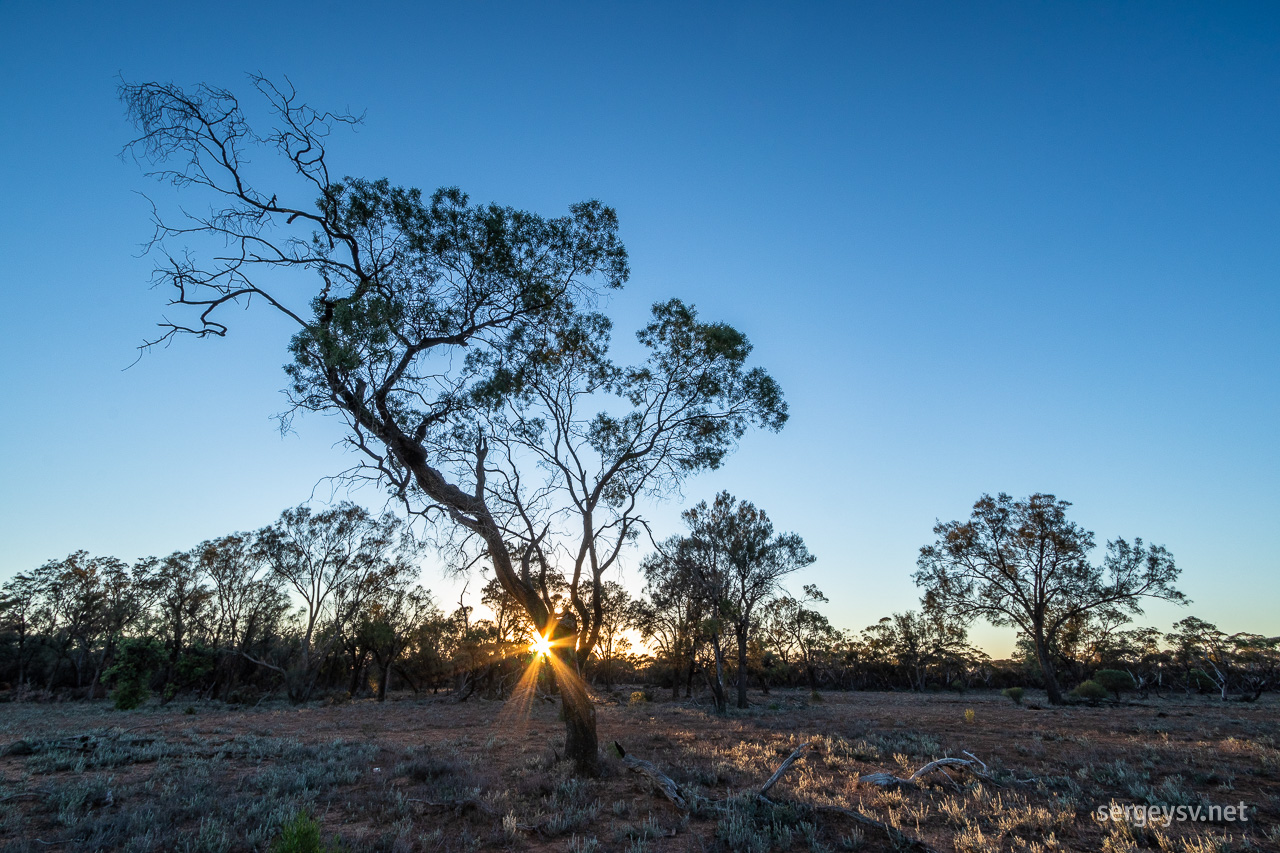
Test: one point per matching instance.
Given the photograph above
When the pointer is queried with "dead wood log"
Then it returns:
(664, 782)
(970, 764)
(777, 774)
(900, 839)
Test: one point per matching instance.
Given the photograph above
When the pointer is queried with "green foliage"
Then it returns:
(1115, 680)
(137, 660)
(1091, 691)
(1014, 693)
(301, 835)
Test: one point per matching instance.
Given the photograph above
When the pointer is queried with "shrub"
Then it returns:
(300, 835)
(970, 716)
(138, 658)
(638, 697)
(1014, 693)
(1091, 691)
(1115, 680)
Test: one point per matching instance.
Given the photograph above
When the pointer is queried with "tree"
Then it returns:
(1023, 563)
(736, 561)
(917, 641)
(390, 624)
(180, 598)
(335, 560)
(429, 313)
(247, 606)
(615, 611)
(671, 613)
(797, 630)
(20, 604)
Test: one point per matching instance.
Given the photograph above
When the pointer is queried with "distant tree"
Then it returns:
(334, 560)
(20, 605)
(391, 623)
(247, 607)
(131, 672)
(797, 631)
(1023, 563)
(615, 618)
(509, 618)
(737, 562)
(917, 641)
(671, 612)
(1246, 663)
(181, 597)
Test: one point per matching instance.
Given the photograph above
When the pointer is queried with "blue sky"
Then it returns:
(984, 247)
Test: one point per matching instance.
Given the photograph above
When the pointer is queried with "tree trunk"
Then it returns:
(1046, 669)
(742, 666)
(580, 743)
(717, 684)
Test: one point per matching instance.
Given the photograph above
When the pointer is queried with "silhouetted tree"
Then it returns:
(334, 560)
(429, 312)
(799, 632)
(1024, 563)
(671, 612)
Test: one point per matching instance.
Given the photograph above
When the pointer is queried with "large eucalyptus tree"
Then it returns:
(459, 344)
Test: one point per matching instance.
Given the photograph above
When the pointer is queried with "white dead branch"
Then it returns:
(972, 764)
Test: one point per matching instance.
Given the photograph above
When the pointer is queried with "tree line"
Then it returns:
(327, 602)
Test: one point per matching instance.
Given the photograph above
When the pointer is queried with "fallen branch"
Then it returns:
(777, 774)
(664, 782)
(970, 764)
(900, 839)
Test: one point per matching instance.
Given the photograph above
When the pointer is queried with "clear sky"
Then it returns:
(984, 247)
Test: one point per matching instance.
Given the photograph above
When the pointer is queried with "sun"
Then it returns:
(541, 645)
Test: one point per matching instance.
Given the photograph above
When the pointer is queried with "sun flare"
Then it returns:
(541, 645)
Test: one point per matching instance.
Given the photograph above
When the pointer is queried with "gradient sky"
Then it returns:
(983, 247)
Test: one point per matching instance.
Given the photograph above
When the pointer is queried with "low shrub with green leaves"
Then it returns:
(1115, 680)
(1014, 693)
(301, 835)
(1090, 691)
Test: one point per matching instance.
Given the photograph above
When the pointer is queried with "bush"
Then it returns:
(1115, 680)
(638, 697)
(300, 835)
(1014, 693)
(138, 658)
(1091, 691)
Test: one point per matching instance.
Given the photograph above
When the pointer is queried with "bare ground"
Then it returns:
(434, 774)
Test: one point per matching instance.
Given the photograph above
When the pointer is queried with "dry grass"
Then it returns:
(436, 775)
